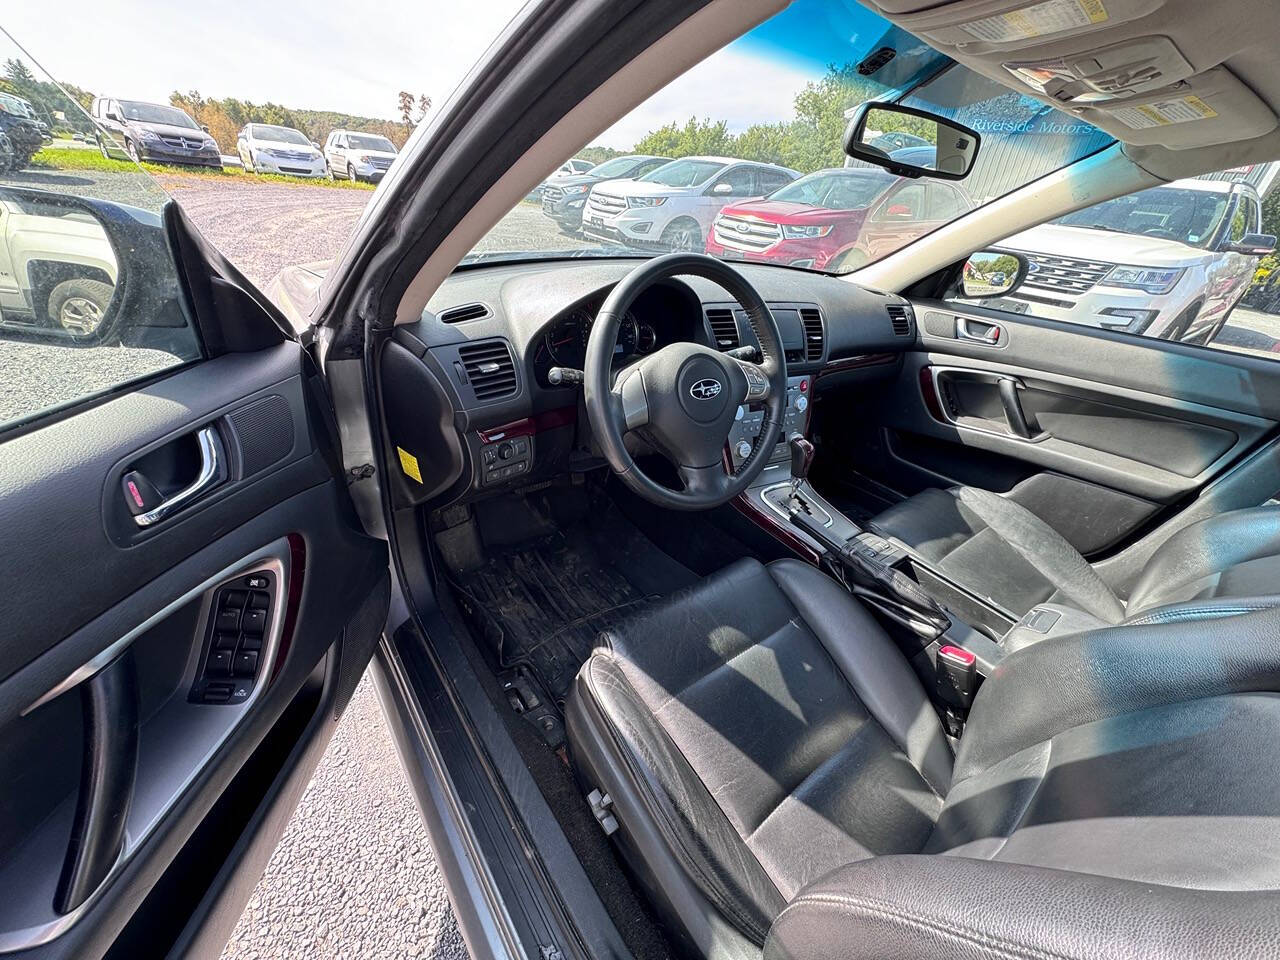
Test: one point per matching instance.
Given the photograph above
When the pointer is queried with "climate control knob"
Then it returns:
(802, 403)
(744, 449)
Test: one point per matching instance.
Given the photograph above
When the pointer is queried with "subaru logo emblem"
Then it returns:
(705, 389)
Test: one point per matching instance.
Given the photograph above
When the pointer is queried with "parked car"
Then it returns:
(564, 199)
(57, 269)
(837, 219)
(20, 127)
(1171, 261)
(673, 207)
(888, 142)
(358, 156)
(153, 131)
(571, 168)
(269, 148)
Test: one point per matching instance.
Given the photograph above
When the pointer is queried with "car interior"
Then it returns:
(731, 610)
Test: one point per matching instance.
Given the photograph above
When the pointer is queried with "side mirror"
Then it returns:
(204, 128)
(316, 145)
(722, 189)
(1254, 245)
(97, 277)
(992, 273)
(112, 115)
(869, 137)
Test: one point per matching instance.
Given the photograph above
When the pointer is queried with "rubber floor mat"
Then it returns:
(544, 604)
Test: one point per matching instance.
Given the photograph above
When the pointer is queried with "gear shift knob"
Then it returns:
(801, 456)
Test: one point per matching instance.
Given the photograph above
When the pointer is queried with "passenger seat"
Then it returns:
(1003, 552)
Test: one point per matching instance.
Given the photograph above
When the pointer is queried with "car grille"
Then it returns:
(1064, 274)
(551, 194)
(182, 143)
(605, 205)
(745, 233)
(290, 154)
(381, 163)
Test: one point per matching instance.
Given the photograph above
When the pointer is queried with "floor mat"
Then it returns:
(542, 605)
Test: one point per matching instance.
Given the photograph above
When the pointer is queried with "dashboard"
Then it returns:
(466, 394)
(660, 316)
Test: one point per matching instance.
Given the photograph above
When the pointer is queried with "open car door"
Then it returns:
(188, 597)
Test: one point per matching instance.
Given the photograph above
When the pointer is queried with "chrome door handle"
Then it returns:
(987, 333)
(207, 439)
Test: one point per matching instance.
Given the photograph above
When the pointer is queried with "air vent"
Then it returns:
(724, 327)
(465, 312)
(900, 317)
(813, 335)
(490, 371)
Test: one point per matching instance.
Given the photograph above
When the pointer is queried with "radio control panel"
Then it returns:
(746, 427)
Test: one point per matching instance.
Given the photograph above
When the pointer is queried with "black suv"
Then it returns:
(21, 131)
(154, 131)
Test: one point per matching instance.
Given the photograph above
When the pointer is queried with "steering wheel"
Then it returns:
(684, 398)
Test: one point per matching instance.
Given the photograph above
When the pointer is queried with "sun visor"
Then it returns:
(979, 27)
(1209, 108)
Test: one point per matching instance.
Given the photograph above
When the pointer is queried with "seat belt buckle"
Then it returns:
(956, 675)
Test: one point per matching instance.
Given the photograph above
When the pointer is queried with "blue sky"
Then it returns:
(330, 58)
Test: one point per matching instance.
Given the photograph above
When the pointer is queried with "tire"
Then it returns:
(351, 174)
(683, 236)
(328, 171)
(79, 305)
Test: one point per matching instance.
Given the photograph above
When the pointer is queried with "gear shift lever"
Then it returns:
(801, 458)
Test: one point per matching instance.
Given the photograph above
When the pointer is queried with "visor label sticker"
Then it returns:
(1162, 113)
(1041, 19)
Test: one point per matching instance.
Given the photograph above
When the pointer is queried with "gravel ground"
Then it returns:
(354, 875)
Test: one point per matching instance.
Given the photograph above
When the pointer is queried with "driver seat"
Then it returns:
(783, 784)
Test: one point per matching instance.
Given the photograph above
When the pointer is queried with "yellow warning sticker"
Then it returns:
(1162, 113)
(1038, 20)
(409, 464)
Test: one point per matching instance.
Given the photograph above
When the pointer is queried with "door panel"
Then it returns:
(132, 707)
(1098, 433)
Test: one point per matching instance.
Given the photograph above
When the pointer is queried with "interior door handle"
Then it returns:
(978, 331)
(206, 480)
(1019, 426)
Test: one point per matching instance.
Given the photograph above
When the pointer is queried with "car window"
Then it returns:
(783, 94)
(944, 202)
(1154, 264)
(69, 327)
(907, 203)
(649, 166)
(741, 181)
(771, 180)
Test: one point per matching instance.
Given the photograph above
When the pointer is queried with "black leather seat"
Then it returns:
(1003, 552)
(782, 783)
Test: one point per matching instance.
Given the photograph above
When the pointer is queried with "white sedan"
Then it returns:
(267, 148)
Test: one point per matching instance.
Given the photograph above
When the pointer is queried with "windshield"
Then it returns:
(835, 190)
(617, 167)
(1169, 213)
(156, 113)
(268, 131)
(684, 173)
(773, 106)
(367, 141)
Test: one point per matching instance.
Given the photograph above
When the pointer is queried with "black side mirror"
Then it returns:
(97, 281)
(1253, 245)
(876, 130)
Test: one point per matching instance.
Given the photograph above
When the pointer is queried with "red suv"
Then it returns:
(835, 220)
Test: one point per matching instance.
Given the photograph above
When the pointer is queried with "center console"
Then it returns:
(795, 419)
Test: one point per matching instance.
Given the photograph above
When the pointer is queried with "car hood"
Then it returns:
(576, 180)
(643, 188)
(383, 154)
(1105, 245)
(283, 145)
(169, 130)
(786, 211)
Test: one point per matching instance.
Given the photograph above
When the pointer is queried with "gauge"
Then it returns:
(566, 341)
(628, 335)
(646, 338)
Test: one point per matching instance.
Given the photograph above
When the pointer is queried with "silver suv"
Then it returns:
(358, 156)
(673, 207)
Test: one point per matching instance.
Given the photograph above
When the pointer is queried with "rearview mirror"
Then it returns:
(1254, 244)
(877, 129)
(992, 273)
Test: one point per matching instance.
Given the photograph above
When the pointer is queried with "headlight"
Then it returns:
(1148, 279)
(573, 191)
(792, 232)
(148, 135)
(646, 201)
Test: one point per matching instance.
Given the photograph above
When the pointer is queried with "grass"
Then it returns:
(72, 158)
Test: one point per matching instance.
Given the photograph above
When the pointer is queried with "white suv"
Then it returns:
(358, 156)
(267, 148)
(1168, 262)
(673, 207)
